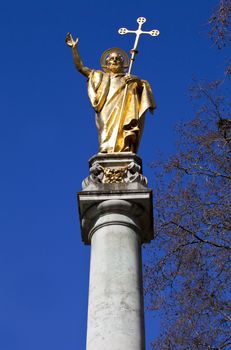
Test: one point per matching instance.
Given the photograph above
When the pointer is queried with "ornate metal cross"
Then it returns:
(138, 32)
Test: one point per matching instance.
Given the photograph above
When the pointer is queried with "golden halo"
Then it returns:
(107, 53)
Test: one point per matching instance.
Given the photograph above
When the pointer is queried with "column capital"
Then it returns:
(124, 207)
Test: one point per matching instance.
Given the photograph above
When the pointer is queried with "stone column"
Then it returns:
(116, 218)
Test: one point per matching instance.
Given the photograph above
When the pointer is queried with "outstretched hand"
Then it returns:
(70, 41)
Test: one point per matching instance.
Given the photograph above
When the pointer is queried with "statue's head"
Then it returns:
(114, 60)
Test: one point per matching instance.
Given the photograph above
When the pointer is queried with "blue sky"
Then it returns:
(48, 134)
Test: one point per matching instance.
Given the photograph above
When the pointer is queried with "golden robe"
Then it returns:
(119, 132)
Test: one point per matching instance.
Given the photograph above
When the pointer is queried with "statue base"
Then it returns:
(116, 176)
(115, 168)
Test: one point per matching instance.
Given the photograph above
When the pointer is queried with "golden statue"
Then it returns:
(120, 100)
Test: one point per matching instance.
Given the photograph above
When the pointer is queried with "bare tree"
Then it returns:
(187, 276)
(220, 24)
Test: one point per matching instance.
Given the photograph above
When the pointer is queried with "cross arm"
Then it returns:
(153, 32)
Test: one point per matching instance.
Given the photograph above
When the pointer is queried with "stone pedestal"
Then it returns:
(115, 209)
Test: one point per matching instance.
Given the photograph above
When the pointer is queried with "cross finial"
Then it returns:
(138, 32)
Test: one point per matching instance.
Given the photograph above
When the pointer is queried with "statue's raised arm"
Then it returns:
(77, 60)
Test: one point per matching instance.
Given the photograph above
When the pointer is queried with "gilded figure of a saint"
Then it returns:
(120, 100)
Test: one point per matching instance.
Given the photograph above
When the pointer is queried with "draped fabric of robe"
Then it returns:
(120, 128)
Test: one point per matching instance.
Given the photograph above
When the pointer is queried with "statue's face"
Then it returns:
(115, 62)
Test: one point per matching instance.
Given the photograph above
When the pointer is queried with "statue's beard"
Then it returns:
(115, 68)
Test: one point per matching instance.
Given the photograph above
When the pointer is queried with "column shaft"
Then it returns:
(115, 310)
